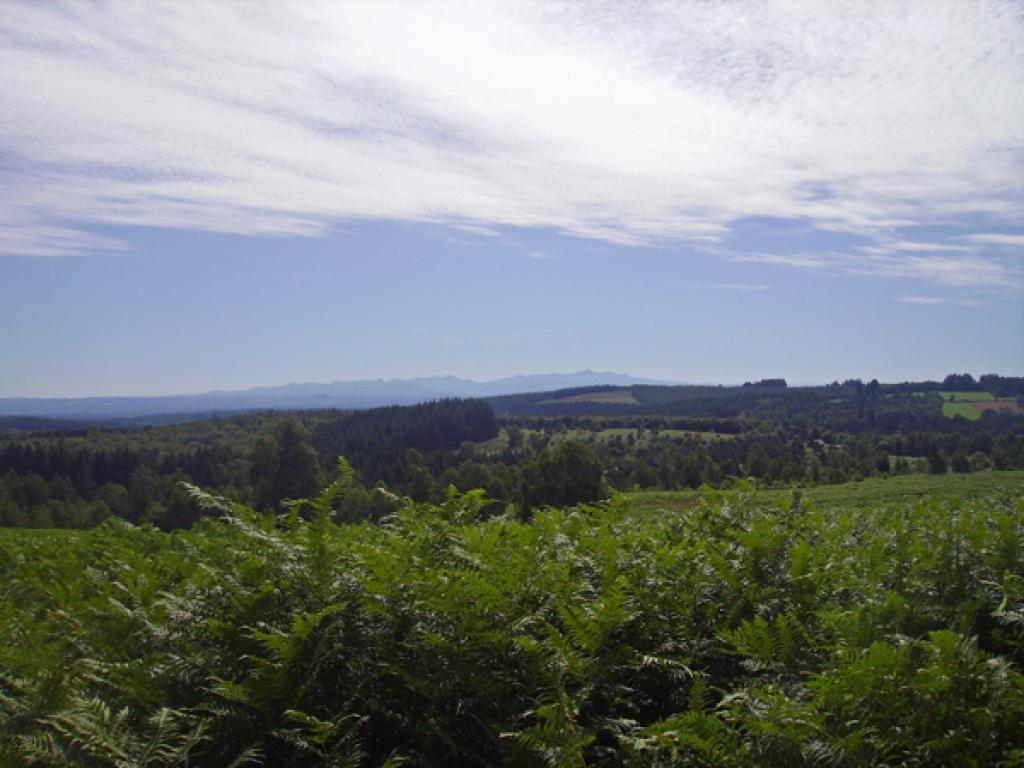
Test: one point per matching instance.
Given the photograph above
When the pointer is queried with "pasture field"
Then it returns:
(966, 410)
(617, 397)
(971, 405)
(872, 490)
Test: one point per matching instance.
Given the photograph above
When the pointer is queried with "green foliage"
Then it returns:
(88, 732)
(681, 437)
(284, 465)
(570, 473)
(732, 631)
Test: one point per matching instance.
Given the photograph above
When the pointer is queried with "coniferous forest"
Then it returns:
(522, 450)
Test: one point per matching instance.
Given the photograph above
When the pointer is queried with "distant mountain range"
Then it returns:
(338, 394)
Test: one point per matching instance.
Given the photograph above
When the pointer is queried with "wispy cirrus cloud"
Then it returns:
(948, 265)
(994, 238)
(632, 123)
(34, 235)
(799, 260)
(950, 270)
(915, 247)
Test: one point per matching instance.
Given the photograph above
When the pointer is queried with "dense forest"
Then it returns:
(521, 450)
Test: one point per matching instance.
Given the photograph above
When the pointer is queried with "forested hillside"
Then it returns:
(671, 439)
(850, 406)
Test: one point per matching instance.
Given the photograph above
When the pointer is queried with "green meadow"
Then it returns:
(960, 403)
(872, 490)
(966, 410)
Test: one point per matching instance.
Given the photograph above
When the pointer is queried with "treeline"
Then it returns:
(650, 452)
(52, 484)
(91, 468)
(786, 457)
(766, 383)
(420, 452)
(1000, 386)
(78, 478)
(599, 423)
(373, 438)
(850, 406)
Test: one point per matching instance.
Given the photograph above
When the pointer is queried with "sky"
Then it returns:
(199, 196)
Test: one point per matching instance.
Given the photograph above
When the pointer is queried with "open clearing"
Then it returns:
(967, 410)
(870, 491)
(970, 405)
(616, 397)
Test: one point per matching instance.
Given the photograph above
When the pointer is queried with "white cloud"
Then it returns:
(801, 260)
(951, 266)
(905, 245)
(971, 271)
(994, 238)
(27, 237)
(630, 123)
(922, 300)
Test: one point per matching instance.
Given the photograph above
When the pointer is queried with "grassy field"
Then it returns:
(970, 405)
(959, 404)
(873, 490)
(617, 397)
(966, 410)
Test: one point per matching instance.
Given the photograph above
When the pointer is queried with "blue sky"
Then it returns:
(198, 197)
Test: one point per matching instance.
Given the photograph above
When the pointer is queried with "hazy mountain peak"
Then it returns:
(362, 393)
